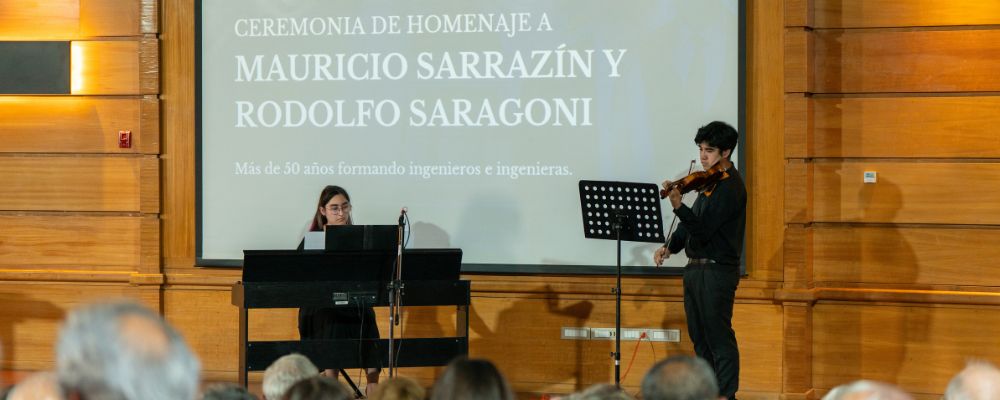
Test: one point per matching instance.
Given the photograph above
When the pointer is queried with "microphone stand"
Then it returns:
(395, 293)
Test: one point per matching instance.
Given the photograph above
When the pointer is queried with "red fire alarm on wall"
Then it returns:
(124, 139)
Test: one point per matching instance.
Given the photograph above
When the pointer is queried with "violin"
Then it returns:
(700, 181)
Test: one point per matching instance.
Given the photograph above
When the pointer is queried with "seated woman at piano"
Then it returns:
(334, 208)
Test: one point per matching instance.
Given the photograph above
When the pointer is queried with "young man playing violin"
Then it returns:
(711, 235)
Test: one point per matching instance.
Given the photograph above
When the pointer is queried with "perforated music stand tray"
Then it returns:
(637, 205)
(620, 211)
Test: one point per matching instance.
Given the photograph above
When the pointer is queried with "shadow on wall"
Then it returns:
(540, 356)
(22, 310)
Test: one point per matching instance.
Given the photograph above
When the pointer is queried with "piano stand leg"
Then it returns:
(357, 392)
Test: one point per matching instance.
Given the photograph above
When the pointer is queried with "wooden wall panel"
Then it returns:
(68, 241)
(798, 192)
(765, 177)
(867, 61)
(918, 347)
(78, 124)
(799, 60)
(906, 255)
(178, 150)
(519, 333)
(33, 312)
(907, 192)
(797, 350)
(39, 19)
(799, 13)
(68, 19)
(122, 67)
(906, 127)
(66, 183)
(903, 13)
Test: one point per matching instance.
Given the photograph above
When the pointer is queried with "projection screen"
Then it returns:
(480, 117)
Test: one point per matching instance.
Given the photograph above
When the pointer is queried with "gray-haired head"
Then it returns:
(121, 350)
(285, 372)
(979, 380)
(866, 390)
(680, 378)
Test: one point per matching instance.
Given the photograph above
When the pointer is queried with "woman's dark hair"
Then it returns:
(329, 192)
(471, 379)
(317, 388)
(717, 134)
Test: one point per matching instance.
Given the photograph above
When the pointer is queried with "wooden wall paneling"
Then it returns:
(116, 67)
(799, 61)
(149, 122)
(919, 256)
(149, 184)
(149, 244)
(20, 20)
(907, 192)
(67, 124)
(765, 174)
(33, 312)
(149, 65)
(178, 150)
(64, 241)
(113, 17)
(798, 191)
(68, 19)
(68, 183)
(899, 127)
(521, 335)
(918, 347)
(903, 13)
(798, 125)
(798, 256)
(217, 343)
(799, 13)
(797, 351)
(869, 61)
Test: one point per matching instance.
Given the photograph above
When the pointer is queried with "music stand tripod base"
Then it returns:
(620, 211)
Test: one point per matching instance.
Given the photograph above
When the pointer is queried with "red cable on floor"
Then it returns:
(634, 353)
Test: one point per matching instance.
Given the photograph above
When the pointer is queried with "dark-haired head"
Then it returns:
(326, 202)
(317, 388)
(471, 379)
(718, 134)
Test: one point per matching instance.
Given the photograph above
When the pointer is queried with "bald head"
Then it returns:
(680, 378)
(979, 380)
(867, 390)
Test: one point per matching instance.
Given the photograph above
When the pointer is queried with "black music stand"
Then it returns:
(620, 211)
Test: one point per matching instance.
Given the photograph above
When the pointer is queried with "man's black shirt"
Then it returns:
(715, 226)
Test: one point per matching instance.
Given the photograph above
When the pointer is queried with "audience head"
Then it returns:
(680, 378)
(227, 391)
(399, 388)
(866, 390)
(285, 372)
(979, 380)
(471, 379)
(123, 351)
(317, 388)
(601, 391)
(40, 386)
(334, 208)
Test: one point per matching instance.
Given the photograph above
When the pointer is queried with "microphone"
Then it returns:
(402, 216)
